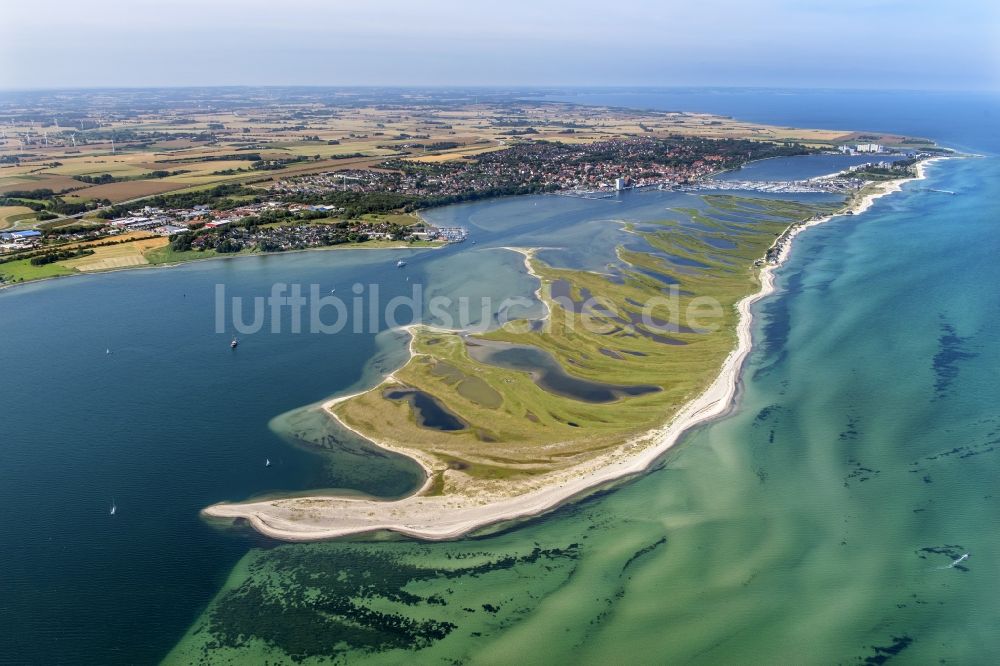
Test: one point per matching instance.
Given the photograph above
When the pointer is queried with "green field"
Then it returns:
(167, 255)
(22, 271)
(402, 219)
(13, 217)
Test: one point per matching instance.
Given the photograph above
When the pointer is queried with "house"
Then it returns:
(169, 230)
(21, 236)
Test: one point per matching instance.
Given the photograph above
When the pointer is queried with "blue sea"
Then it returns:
(815, 524)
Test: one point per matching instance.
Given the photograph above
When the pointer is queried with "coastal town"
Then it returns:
(303, 212)
(546, 167)
(212, 175)
(361, 205)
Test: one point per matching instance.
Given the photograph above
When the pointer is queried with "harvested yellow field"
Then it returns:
(11, 215)
(575, 138)
(131, 236)
(17, 170)
(95, 166)
(130, 189)
(110, 257)
(173, 144)
(56, 183)
(344, 148)
(458, 153)
(197, 172)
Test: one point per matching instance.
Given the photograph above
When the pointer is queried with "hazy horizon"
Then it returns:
(389, 43)
(505, 87)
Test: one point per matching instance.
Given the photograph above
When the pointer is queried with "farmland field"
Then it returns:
(11, 215)
(116, 166)
(116, 256)
(54, 182)
(22, 270)
(129, 189)
(459, 153)
(344, 148)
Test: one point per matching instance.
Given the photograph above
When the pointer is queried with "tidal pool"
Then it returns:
(546, 371)
(429, 411)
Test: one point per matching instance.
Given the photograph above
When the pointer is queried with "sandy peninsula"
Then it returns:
(436, 517)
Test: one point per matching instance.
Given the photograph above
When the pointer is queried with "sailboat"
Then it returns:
(114, 508)
(234, 344)
(400, 263)
(267, 462)
(107, 352)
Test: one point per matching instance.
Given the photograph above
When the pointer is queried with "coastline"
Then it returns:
(445, 517)
(139, 267)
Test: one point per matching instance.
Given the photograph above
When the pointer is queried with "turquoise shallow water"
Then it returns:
(173, 420)
(814, 525)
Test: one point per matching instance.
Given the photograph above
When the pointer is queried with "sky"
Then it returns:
(910, 44)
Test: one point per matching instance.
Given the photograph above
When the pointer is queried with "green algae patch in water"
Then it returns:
(341, 602)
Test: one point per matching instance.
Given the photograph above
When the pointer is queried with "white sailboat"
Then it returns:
(267, 462)
(114, 508)
(958, 561)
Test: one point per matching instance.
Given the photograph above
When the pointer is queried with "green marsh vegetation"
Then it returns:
(687, 274)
